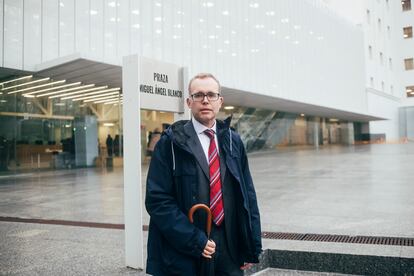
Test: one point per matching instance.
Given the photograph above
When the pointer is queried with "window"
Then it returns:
(406, 5)
(410, 91)
(370, 52)
(381, 56)
(409, 64)
(408, 32)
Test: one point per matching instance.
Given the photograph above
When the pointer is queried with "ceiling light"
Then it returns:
(115, 99)
(284, 20)
(135, 12)
(109, 124)
(37, 86)
(136, 26)
(97, 97)
(110, 102)
(28, 96)
(254, 5)
(53, 88)
(3, 101)
(100, 91)
(297, 27)
(64, 90)
(225, 13)
(26, 83)
(229, 107)
(22, 78)
(302, 115)
(270, 13)
(208, 4)
(60, 104)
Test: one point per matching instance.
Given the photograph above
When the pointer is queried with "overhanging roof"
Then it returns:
(75, 68)
(249, 99)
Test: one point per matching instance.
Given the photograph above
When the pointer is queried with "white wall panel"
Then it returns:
(13, 33)
(110, 30)
(146, 26)
(66, 27)
(123, 29)
(388, 108)
(50, 30)
(82, 26)
(135, 27)
(97, 29)
(32, 33)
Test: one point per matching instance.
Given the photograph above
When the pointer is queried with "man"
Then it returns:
(201, 161)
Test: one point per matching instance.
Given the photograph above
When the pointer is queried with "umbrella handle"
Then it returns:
(209, 216)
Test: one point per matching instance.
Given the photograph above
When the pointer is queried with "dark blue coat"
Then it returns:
(174, 244)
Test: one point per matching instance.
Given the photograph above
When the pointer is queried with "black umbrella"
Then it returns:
(206, 265)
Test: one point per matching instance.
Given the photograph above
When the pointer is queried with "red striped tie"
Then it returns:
(216, 197)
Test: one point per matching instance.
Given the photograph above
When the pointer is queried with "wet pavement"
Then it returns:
(356, 190)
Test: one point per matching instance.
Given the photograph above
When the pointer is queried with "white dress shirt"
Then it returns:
(204, 139)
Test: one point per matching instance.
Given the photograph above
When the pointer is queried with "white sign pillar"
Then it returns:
(152, 85)
(134, 244)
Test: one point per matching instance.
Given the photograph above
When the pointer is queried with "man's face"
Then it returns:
(204, 111)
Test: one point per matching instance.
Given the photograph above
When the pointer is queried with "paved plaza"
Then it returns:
(355, 190)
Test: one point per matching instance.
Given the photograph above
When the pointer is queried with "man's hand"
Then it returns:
(246, 266)
(209, 249)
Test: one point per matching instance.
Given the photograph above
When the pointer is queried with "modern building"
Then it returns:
(292, 72)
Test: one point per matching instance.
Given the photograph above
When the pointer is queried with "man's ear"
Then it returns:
(188, 102)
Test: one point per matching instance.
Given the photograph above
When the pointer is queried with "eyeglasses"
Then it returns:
(199, 96)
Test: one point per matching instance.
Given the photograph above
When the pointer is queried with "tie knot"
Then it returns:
(209, 133)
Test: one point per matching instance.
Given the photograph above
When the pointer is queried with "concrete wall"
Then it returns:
(384, 107)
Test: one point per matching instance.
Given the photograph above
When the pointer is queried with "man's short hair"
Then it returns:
(203, 76)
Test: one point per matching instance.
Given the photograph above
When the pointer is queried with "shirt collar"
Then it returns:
(200, 128)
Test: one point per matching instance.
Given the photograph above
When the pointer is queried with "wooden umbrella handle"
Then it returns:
(209, 216)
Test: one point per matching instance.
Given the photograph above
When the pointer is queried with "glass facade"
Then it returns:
(262, 129)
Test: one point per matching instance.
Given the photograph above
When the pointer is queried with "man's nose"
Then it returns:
(205, 99)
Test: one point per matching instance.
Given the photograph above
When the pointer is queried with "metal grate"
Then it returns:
(339, 238)
(399, 241)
